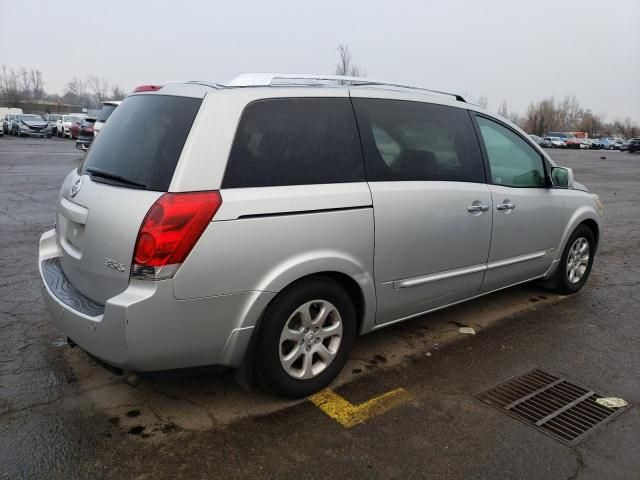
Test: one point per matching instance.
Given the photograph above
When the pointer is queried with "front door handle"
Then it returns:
(506, 205)
(477, 207)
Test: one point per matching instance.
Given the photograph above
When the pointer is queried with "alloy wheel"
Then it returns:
(577, 260)
(310, 339)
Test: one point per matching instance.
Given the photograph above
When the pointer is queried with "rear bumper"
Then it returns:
(145, 328)
(83, 143)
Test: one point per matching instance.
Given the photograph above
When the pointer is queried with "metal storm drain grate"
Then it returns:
(564, 410)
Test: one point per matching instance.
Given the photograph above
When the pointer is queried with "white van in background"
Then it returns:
(4, 120)
(108, 106)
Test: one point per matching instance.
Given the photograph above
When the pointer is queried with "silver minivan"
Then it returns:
(264, 223)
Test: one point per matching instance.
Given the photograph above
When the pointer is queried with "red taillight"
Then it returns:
(147, 88)
(171, 228)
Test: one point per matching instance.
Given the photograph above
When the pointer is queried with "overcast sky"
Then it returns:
(504, 50)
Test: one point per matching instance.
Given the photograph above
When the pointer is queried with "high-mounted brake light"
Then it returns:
(147, 88)
(170, 230)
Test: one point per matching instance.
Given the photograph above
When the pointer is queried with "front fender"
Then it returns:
(578, 212)
(577, 217)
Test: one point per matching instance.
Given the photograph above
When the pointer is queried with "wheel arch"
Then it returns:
(358, 289)
(594, 227)
(584, 215)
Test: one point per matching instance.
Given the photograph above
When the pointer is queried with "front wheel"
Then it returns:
(576, 262)
(305, 337)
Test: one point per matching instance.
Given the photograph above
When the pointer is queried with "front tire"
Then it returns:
(575, 263)
(305, 337)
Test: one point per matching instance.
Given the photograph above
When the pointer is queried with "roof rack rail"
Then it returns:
(295, 79)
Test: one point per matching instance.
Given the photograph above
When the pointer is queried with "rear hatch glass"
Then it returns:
(126, 170)
(140, 145)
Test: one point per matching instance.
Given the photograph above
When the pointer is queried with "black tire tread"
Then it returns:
(268, 319)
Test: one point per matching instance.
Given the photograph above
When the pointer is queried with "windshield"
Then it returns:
(32, 118)
(106, 112)
(53, 118)
(142, 143)
(73, 119)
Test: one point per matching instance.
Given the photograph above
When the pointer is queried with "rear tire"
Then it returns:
(576, 262)
(305, 337)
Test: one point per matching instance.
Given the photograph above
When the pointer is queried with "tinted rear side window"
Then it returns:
(143, 140)
(295, 141)
(404, 140)
(105, 112)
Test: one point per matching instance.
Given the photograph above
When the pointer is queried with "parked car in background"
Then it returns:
(27, 125)
(74, 130)
(8, 123)
(617, 143)
(606, 143)
(569, 139)
(553, 142)
(536, 139)
(66, 121)
(168, 250)
(585, 144)
(634, 145)
(53, 118)
(5, 113)
(572, 142)
(85, 134)
(108, 107)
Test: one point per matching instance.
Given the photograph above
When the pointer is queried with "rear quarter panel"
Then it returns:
(300, 231)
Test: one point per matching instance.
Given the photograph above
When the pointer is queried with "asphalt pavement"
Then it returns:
(63, 416)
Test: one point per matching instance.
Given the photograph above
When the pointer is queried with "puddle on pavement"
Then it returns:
(170, 403)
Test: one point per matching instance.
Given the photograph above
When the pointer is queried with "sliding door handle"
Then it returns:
(477, 207)
(506, 205)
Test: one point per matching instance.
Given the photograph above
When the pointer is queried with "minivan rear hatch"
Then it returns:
(102, 204)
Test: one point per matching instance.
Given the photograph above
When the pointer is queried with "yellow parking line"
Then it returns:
(348, 415)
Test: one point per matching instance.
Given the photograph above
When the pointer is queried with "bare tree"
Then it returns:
(9, 85)
(515, 118)
(117, 93)
(76, 87)
(568, 113)
(540, 117)
(21, 84)
(99, 88)
(502, 110)
(25, 85)
(590, 122)
(345, 65)
(36, 84)
(483, 101)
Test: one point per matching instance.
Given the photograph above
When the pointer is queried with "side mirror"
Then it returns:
(562, 177)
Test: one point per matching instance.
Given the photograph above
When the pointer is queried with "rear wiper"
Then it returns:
(98, 172)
